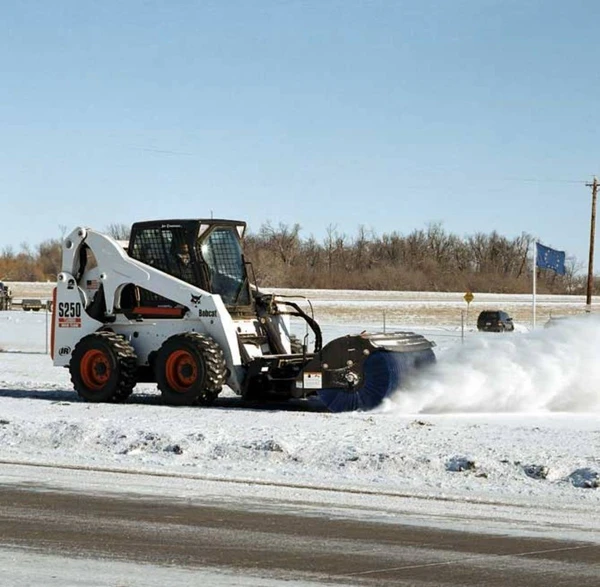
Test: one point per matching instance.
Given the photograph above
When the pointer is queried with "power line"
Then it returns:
(161, 151)
(533, 180)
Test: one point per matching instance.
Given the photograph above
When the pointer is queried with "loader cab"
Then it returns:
(205, 253)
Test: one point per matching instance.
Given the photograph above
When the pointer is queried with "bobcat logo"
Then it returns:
(196, 299)
(207, 313)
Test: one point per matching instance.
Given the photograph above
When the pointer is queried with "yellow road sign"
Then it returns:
(468, 297)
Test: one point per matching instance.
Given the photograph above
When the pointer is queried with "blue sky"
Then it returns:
(479, 114)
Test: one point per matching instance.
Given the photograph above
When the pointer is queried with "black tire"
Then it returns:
(103, 367)
(208, 398)
(190, 369)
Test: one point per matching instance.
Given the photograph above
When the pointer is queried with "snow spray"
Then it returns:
(553, 369)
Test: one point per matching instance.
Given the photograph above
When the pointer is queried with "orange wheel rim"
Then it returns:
(95, 369)
(181, 371)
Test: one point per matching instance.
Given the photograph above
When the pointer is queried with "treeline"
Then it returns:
(41, 263)
(424, 260)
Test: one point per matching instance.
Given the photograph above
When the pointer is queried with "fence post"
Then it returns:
(46, 328)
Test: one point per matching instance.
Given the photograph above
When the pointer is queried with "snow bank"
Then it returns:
(503, 432)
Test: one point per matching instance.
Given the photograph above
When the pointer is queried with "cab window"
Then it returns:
(222, 252)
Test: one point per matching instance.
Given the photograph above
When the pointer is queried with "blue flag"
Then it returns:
(547, 258)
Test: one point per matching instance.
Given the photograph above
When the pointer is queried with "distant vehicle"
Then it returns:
(5, 297)
(31, 304)
(495, 321)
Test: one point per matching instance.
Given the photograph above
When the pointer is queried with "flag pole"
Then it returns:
(534, 283)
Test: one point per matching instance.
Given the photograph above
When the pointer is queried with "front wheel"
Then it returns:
(103, 367)
(190, 369)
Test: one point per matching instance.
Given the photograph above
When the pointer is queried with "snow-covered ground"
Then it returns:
(502, 434)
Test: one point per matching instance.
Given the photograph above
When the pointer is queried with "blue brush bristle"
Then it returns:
(384, 372)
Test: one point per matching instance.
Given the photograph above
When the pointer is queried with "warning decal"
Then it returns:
(313, 381)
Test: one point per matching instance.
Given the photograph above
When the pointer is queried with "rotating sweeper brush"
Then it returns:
(176, 306)
(359, 372)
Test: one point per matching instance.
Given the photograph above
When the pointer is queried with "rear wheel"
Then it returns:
(103, 367)
(190, 369)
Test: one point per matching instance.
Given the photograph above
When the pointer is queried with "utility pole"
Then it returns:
(590, 280)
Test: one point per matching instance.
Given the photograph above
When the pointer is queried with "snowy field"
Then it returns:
(502, 435)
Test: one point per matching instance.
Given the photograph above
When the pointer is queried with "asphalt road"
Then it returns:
(319, 549)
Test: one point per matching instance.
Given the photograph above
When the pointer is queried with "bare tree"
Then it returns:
(118, 231)
(49, 257)
(285, 241)
(421, 260)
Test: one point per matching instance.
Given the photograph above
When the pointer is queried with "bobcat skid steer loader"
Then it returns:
(176, 307)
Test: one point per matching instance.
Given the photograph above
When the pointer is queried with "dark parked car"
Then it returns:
(495, 321)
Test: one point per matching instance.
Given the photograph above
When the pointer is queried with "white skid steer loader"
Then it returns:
(177, 307)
